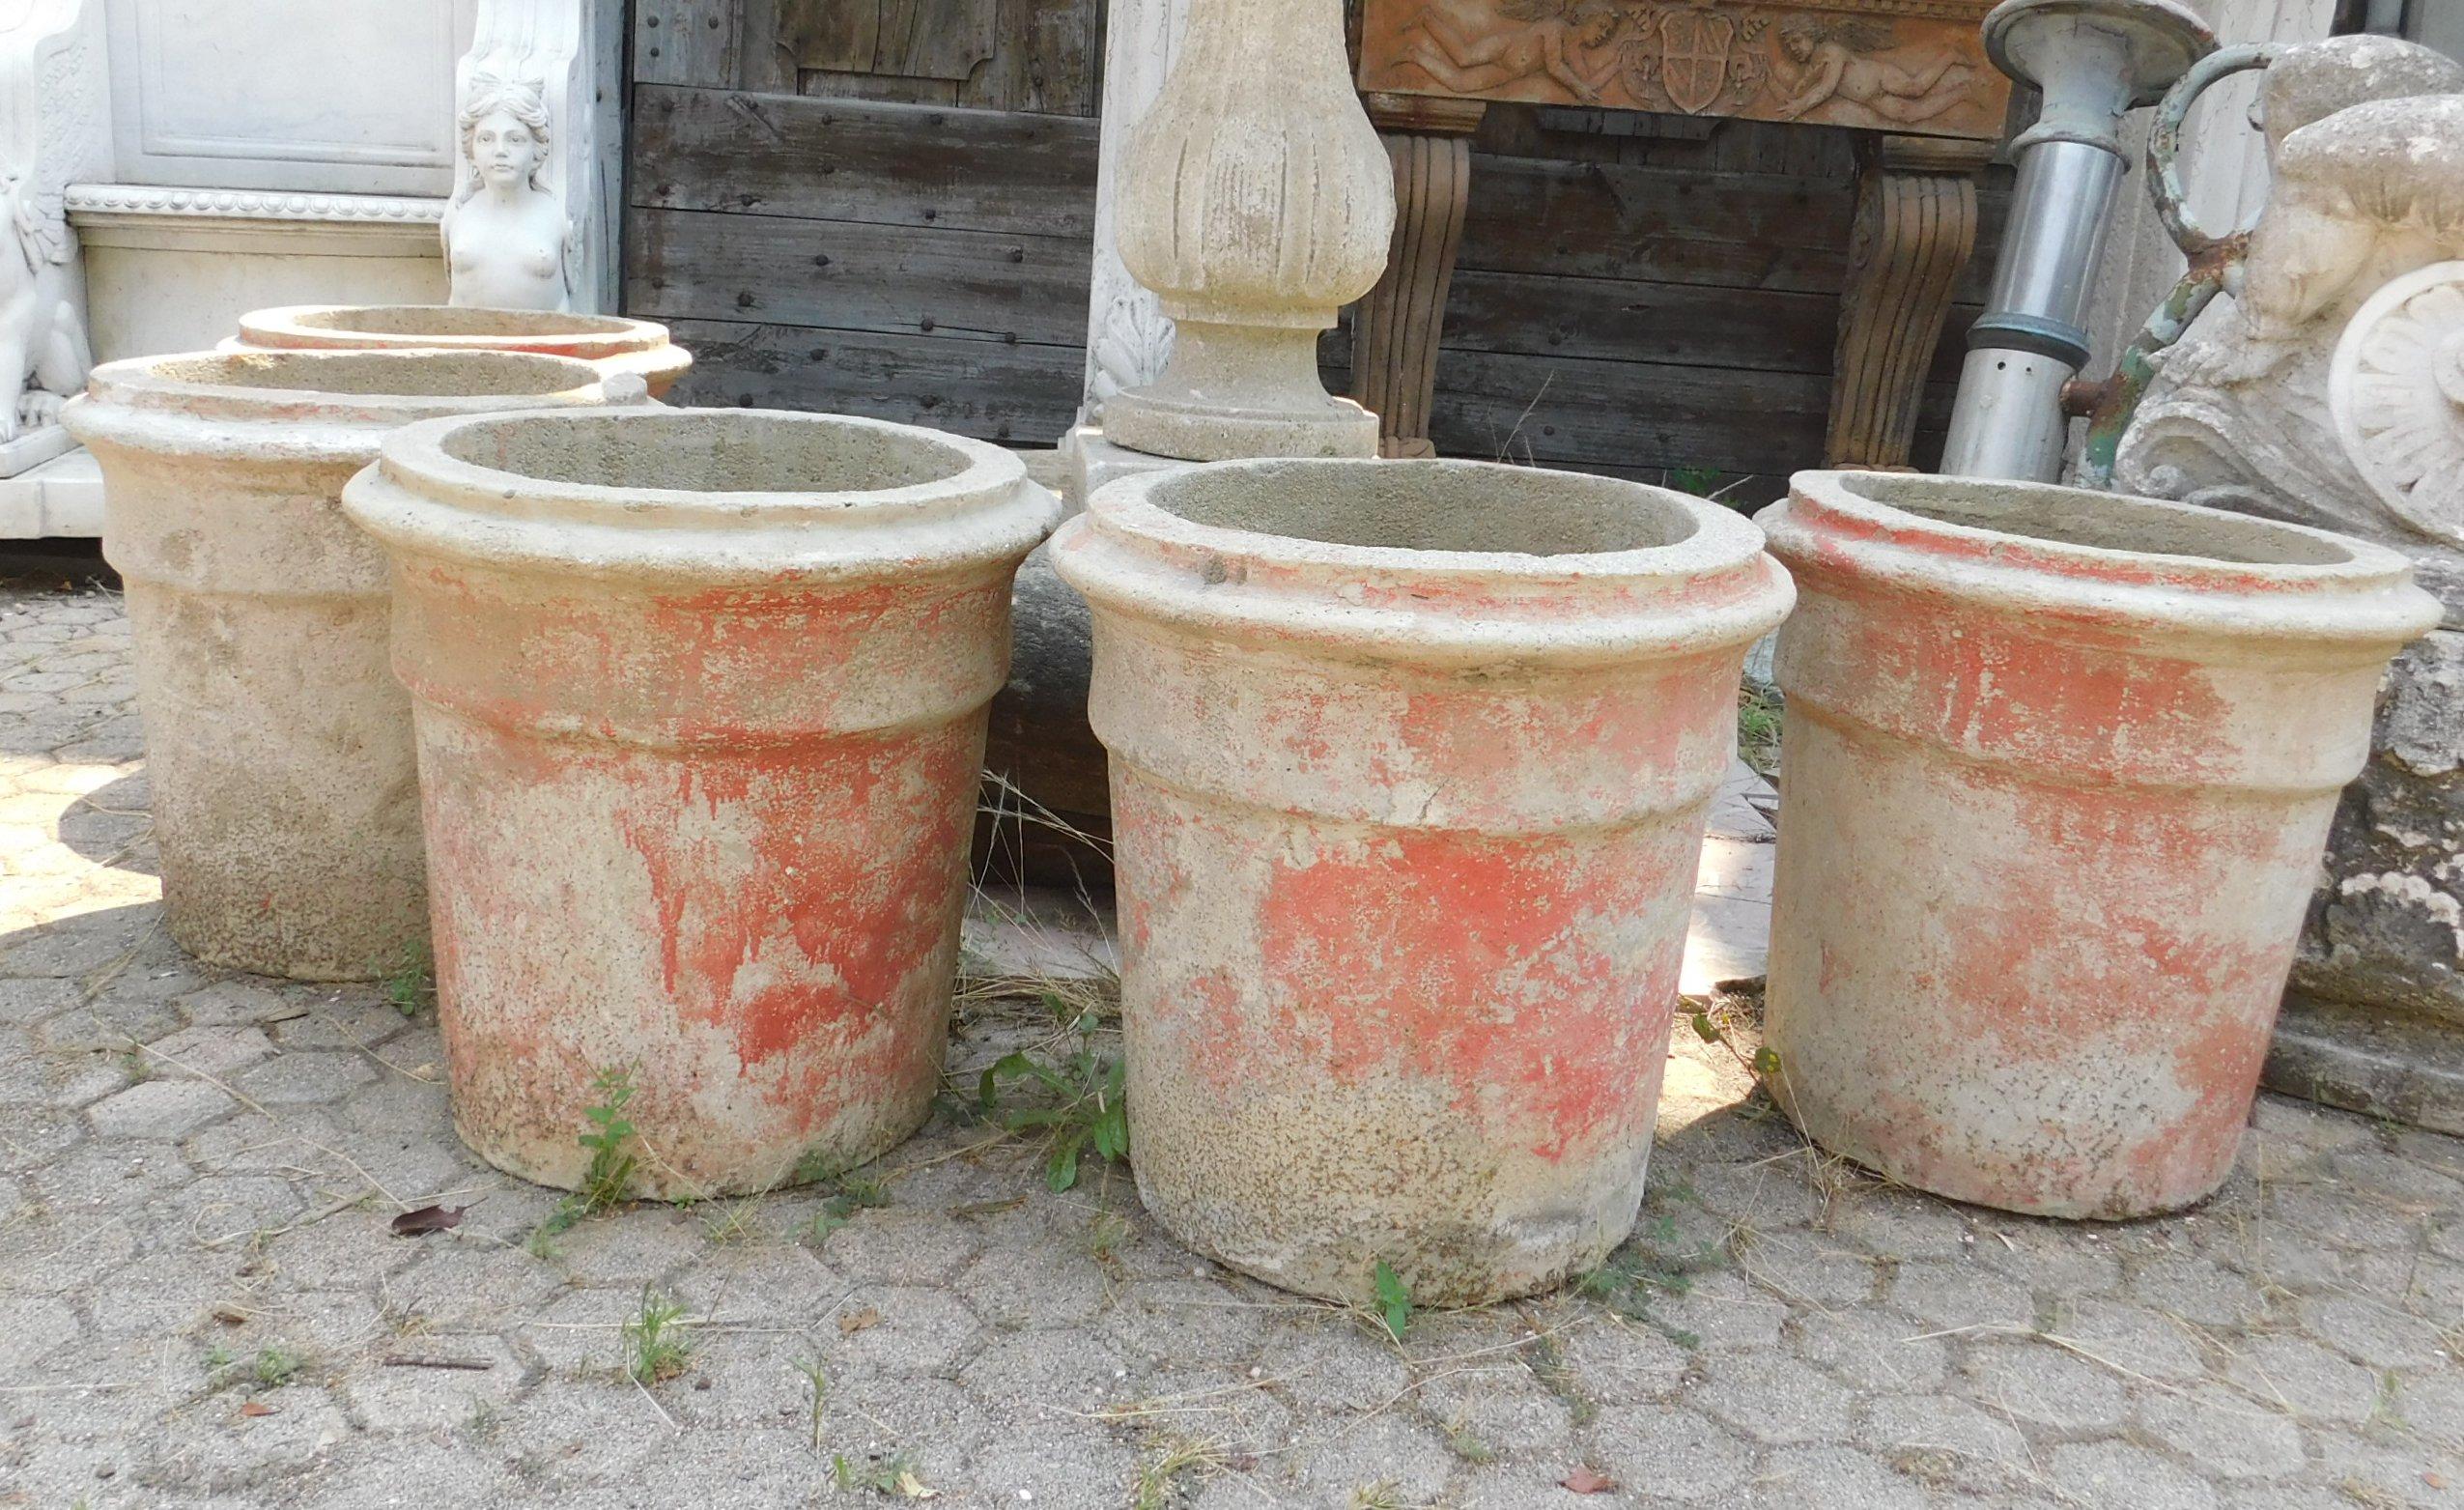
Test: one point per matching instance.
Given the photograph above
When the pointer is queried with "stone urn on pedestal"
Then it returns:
(1259, 202)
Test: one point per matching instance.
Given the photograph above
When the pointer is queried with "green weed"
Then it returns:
(656, 1345)
(1394, 1300)
(1080, 1104)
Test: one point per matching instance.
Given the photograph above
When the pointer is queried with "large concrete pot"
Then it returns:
(1409, 768)
(613, 343)
(2059, 770)
(277, 744)
(700, 699)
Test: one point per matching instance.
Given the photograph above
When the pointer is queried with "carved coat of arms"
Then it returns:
(1695, 47)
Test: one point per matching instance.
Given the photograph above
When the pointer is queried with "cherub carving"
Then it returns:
(508, 244)
(1817, 63)
(43, 336)
(1556, 36)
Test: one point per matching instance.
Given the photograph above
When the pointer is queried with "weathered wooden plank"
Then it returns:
(1022, 396)
(1564, 412)
(684, 42)
(766, 38)
(982, 170)
(857, 276)
(1048, 61)
(824, 84)
(1600, 219)
(1625, 319)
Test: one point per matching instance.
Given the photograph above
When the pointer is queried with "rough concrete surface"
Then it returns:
(201, 1303)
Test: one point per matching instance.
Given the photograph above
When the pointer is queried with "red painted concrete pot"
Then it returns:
(1409, 769)
(700, 700)
(286, 801)
(2059, 771)
(612, 343)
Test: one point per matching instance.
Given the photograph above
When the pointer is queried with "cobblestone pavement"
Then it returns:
(201, 1302)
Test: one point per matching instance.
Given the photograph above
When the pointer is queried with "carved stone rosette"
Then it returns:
(1256, 201)
(2396, 390)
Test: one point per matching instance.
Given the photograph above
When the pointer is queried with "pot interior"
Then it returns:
(381, 373)
(1480, 507)
(456, 321)
(707, 451)
(2100, 521)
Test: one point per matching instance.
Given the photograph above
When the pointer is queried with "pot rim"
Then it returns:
(287, 327)
(1827, 528)
(420, 498)
(1720, 537)
(420, 449)
(142, 383)
(1713, 590)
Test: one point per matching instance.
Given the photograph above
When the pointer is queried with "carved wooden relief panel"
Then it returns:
(1903, 66)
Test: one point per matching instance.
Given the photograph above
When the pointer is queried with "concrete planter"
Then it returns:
(2059, 770)
(1405, 836)
(278, 746)
(613, 343)
(701, 698)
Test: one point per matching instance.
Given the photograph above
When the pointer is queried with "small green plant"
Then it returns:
(1082, 1107)
(1380, 1496)
(1696, 480)
(1650, 1265)
(411, 989)
(274, 1368)
(1394, 1300)
(656, 1347)
(611, 1162)
(1105, 1234)
(853, 1193)
(217, 1358)
(895, 1474)
(1759, 722)
(1547, 1362)
(1468, 1447)
(136, 1066)
(733, 1222)
(818, 1381)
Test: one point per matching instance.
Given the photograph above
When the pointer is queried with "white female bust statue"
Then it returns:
(507, 243)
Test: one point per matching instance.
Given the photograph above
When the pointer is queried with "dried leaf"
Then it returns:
(258, 1408)
(855, 1321)
(913, 1487)
(1584, 1481)
(428, 1219)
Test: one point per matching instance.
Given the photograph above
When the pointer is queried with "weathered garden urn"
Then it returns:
(700, 704)
(1257, 200)
(613, 343)
(286, 803)
(2060, 766)
(1410, 762)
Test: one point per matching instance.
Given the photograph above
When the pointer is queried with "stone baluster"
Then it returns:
(1255, 201)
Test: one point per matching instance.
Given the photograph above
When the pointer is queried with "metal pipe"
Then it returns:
(2094, 60)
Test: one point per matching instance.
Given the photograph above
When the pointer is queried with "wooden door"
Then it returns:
(876, 207)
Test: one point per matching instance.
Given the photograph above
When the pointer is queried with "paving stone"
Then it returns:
(2040, 1382)
(2117, 1473)
(920, 1330)
(2305, 1380)
(1771, 1399)
(1958, 1294)
(1674, 1455)
(1873, 1349)
(30, 1328)
(2373, 1331)
(2227, 1436)
(159, 1109)
(1502, 1409)
(1833, 1478)
(409, 1397)
(302, 1078)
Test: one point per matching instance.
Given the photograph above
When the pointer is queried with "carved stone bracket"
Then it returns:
(1396, 329)
(1915, 227)
(554, 65)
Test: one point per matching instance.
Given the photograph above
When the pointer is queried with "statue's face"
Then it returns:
(1598, 29)
(1798, 45)
(505, 152)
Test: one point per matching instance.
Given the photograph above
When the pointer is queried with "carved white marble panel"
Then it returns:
(345, 96)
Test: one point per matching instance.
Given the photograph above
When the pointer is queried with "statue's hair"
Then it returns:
(485, 95)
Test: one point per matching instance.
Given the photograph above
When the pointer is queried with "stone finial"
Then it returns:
(1256, 201)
